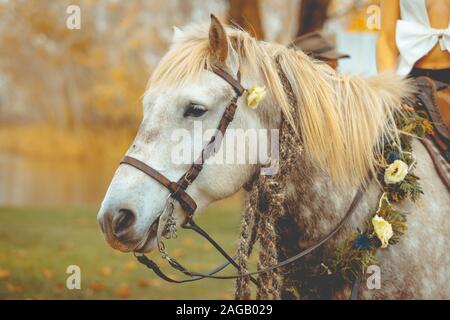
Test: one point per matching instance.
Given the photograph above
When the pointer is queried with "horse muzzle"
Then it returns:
(119, 229)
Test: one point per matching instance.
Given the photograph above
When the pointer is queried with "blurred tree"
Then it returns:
(357, 15)
(95, 76)
(246, 14)
(312, 15)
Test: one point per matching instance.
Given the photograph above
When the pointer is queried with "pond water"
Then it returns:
(30, 182)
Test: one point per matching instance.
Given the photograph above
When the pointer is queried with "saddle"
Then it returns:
(434, 99)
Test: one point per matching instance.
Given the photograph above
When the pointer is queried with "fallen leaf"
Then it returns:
(97, 286)
(58, 288)
(48, 274)
(106, 271)
(130, 266)
(89, 293)
(227, 296)
(177, 253)
(10, 287)
(20, 253)
(143, 283)
(157, 283)
(188, 242)
(13, 288)
(198, 265)
(123, 291)
(4, 274)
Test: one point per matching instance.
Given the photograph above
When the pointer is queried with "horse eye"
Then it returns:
(195, 110)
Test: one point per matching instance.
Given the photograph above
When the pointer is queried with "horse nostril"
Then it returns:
(123, 221)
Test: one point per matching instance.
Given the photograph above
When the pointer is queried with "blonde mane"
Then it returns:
(343, 120)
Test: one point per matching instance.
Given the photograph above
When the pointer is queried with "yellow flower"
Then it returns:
(395, 172)
(383, 230)
(255, 95)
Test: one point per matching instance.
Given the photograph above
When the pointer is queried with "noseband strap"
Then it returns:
(236, 84)
(176, 190)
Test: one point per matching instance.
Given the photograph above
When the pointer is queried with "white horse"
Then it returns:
(342, 121)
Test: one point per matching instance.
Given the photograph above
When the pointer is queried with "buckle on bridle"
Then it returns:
(230, 111)
(190, 175)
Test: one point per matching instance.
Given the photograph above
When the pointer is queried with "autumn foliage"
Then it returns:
(65, 91)
(63, 88)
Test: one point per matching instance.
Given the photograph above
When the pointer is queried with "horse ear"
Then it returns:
(177, 34)
(218, 41)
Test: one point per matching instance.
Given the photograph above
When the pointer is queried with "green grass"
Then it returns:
(38, 244)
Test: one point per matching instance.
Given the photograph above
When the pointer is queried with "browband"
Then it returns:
(238, 88)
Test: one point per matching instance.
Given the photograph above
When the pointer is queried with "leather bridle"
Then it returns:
(177, 191)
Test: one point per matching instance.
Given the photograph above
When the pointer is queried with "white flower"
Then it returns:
(383, 230)
(395, 172)
(255, 95)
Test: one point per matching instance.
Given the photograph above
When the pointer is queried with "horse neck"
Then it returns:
(314, 206)
(314, 202)
(317, 204)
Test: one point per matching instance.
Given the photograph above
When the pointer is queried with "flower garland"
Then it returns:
(386, 225)
(398, 182)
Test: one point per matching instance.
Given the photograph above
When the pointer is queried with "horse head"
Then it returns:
(183, 95)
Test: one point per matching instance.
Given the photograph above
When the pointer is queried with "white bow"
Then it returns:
(415, 40)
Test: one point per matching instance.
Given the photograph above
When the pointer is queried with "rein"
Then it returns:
(153, 266)
(177, 192)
